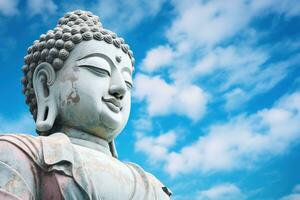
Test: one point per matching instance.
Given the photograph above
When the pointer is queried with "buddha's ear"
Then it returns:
(44, 77)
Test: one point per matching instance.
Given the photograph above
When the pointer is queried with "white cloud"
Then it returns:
(125, 15)
(163, 98)
(23, 124)
(156, 147)
(157, 58)
(143, 124)
(296, 189)
(41, 7)
(287, 8)
(239, 72)
(241, 142)
(295, 195)
(195, 42)
(238, 65)
(233, 68)
(236, 62)
(9, 7)
(196, 53)
(211, 22)
(291, 197)
(255, 78)
(226, 191)
(207, 22)
(235, 98)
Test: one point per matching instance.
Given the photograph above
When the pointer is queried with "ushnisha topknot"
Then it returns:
(55, 46)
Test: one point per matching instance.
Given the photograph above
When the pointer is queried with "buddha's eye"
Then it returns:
(128, 79)
(97, 71)
(129, 85)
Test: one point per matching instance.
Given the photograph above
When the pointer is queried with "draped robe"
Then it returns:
(53, 167)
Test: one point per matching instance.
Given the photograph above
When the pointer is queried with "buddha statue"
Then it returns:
(77, 83)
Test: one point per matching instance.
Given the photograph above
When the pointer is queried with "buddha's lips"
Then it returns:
(114, 101)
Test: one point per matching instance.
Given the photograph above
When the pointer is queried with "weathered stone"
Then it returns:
(75, 86)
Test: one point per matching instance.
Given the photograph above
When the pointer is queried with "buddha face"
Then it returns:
(92, 90)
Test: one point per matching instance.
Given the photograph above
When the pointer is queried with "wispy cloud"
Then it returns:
(124, 15)
(23, 124)
(217, 20)
(225, 191)
(202, 43)
(157, 58)
(165, 98)
(41, 7)
(9, 7)
(295, 194)
(239, 143)
(156, 147)
(241, 85)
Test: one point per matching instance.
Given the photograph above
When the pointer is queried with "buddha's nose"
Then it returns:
(117, 89)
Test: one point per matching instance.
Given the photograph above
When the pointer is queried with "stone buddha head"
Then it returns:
(79, 75)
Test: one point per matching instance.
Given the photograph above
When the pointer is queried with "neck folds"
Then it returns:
(87, 140)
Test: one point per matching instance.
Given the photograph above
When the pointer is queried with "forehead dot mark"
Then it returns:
(118, 59)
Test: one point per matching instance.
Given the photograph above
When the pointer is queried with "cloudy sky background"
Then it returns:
(216, 100)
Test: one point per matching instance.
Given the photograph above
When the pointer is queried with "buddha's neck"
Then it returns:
(85, 139)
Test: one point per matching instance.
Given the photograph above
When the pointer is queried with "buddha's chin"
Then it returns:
(112, 125)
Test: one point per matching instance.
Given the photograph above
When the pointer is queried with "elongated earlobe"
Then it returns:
(43, 78)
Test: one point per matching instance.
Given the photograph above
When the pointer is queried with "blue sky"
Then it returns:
(216, 100)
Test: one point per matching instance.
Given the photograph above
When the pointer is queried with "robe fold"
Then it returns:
(51, 167)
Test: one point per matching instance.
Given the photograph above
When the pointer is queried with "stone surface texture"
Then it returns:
(77, 83)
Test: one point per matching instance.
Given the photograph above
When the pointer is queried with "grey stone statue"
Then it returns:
(77, 82)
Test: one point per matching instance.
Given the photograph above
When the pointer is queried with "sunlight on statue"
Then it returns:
(77, 83)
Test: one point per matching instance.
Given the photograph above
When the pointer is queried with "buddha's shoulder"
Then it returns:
(150, 178)
(19, 154)
(18, 136)
(36, 147)
(19, 146)
(21, 141)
